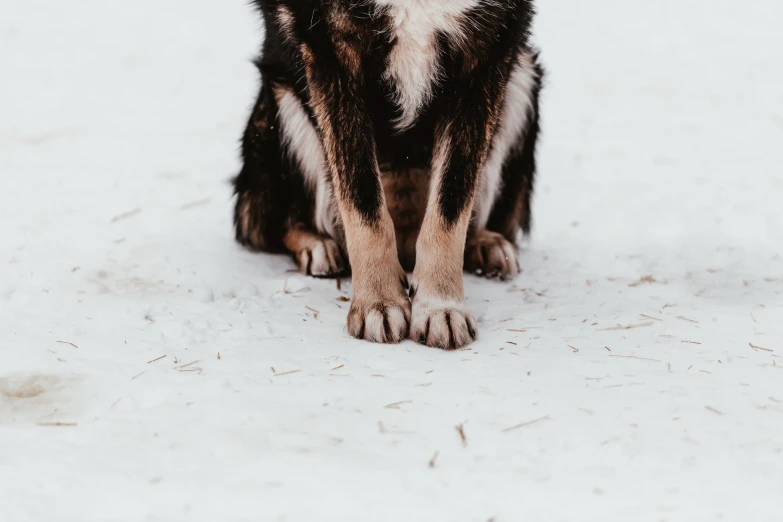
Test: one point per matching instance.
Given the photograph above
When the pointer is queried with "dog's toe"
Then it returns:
(491, 255)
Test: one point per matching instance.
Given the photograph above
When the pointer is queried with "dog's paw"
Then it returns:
(441, 324)
(321, 258)
(491, 255)
(382, 321)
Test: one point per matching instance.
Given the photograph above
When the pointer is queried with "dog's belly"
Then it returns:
(406, 190)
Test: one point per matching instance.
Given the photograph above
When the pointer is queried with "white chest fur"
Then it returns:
(413, 66)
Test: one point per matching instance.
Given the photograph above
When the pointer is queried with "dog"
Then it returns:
(392, 136)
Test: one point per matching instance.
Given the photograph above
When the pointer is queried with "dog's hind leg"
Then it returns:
(263, 198)
(502, 206)
(283, 199)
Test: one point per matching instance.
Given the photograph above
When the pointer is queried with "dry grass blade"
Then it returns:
(683, 318)
(194, 204)
(648, 279)
(635, 357)
(713, 410)
(58, 424)
(66, 342)
(760, 348)
(461, 430)
(287, 373)
(396, 405)
(525, 424)
(337, 367)
(186, 365)
(156, 360)
(645, 316)
(628, 327)
(434, 459)
(126, 215)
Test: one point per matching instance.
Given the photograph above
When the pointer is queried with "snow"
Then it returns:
(659, 207)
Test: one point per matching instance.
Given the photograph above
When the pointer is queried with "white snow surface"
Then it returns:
(659, 208)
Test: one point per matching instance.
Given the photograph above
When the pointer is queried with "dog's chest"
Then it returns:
(413, 66)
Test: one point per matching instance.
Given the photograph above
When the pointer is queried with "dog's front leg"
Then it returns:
(380, 309)
(469, 117)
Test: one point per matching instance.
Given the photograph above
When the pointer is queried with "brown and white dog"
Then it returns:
(394, 136)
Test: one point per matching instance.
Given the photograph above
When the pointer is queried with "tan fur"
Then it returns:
(380, 310)
(439, 315)
(346, 39)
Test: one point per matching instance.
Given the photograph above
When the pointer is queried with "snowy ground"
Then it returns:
(659, 209)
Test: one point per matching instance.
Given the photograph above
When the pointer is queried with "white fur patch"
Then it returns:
(303, 143)
(413, 63)
(512, 125)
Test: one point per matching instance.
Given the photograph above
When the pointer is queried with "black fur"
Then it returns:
(362, 112)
